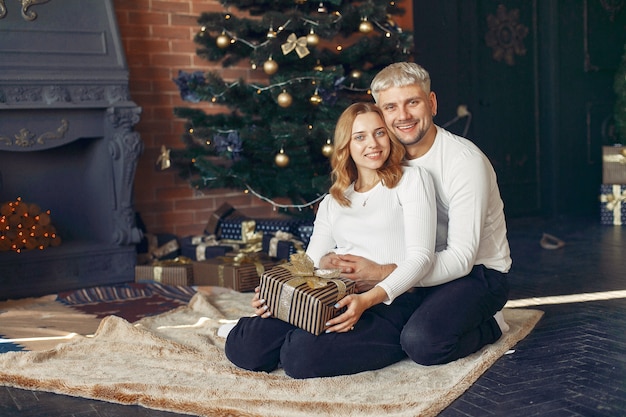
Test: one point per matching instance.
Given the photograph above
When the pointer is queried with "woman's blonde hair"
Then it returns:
(344, 170)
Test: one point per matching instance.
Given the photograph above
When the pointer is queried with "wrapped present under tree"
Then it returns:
(613, 204)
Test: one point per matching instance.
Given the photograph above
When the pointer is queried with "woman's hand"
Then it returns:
(260, 308)
(355, 305)
(345, 322)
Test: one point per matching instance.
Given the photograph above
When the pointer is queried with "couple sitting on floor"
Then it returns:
(414, 216)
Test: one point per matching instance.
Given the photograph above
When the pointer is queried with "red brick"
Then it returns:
(187, 20)
(170, 6)
(173, 32)
(144, 17)
(170, 59)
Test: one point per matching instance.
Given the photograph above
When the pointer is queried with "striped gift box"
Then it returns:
(236, 272)
(165, 274)
(294, 300)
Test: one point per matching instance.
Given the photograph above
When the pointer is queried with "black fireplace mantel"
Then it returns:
(67, 142)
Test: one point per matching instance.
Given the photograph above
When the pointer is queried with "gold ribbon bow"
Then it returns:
(293, 42)
(614, 202)
(301, 265)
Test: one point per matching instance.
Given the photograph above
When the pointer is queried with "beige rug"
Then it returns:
(175, 362)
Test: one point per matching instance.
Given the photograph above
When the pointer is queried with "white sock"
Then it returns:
(225, 329)
(504, 327)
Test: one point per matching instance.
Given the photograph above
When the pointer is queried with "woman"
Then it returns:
(379, 209)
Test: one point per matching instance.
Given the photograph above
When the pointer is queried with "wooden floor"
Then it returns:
(572, 364)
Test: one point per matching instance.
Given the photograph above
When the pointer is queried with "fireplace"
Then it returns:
(67, 143)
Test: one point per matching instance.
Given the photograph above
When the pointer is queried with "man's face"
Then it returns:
(408, 112)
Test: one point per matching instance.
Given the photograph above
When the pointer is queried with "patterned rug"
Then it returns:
(41, 323)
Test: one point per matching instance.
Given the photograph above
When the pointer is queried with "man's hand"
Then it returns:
(364, 272)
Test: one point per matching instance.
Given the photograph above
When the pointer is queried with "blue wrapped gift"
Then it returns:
(613, 204)
(202, 247)
(156, 247)
(281, 245)
(304, 233)
(241, 229)
(271, 226)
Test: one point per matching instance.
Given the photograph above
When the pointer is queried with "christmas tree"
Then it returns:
(620, 100)
(274, 138)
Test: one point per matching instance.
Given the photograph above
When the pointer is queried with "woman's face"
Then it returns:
(369, 144)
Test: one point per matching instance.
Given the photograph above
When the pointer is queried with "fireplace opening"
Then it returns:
(72, 181)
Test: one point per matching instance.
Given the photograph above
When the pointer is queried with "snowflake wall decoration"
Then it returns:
(506, 35)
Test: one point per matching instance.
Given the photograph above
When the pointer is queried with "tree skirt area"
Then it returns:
(175, 361)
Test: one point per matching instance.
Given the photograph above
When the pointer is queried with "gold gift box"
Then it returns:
(305, 302)
(614, 164)
(240, 273)
(171, 274)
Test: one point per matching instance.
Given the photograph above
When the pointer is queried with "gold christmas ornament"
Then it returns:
(284, 99)
(222, 41)
(321, 8)
(316, 99)
(271, 33)
(327, 149)
(365, 26)
(312, 39)
(270, 66)
(299, 44)
(281, 159)
(164, 159)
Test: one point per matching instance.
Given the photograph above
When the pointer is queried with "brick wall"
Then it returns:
(158, 39)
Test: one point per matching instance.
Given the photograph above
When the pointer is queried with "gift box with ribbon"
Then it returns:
(178, 271)
(304, 233)
(241, 272)
(297, 293)
(241, 230)
(614, 164)
(613, 204)
(154, 247)
(271, 226)
(223, 212)
(202, 247)
(281, 245)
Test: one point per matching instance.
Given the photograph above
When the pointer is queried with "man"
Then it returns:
(459, 301)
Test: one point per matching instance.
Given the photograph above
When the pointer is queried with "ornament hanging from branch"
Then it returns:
(284, 99)
(299, 44)
(281, 159)
(270, 66)
(223, 41)
(164, 159)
